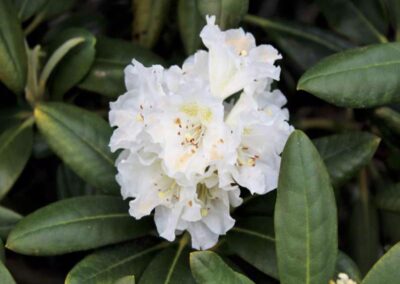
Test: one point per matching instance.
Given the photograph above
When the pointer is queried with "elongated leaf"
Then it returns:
(305, 45)
(28, 8)
(344, 264)
(75, 64)
(108, 265)
(389, 198)
(148, 20)
(54, 8)
(258, 205)
(169, 267)
(345, 17)
(345, 154)
(12, 49)
(208, 267)
(126, 280)
(228, 12)
(75, 224)
(5, 276)
(80, 138)
(106, 75)
(15, 149)
(305, 215)
(190, 25)
(71, 185)
(386, 270)
(253, 240)
(8, 219)
(2, 252)
(359, 78)
(390, 118)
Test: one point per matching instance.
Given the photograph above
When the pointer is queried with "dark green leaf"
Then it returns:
(108, 265)
(148, 20)
(80, 138)
(344, 264)
(8, 219)
(171, 266)
(389, 198)
(386, 270)
(190, 25)
(106, 75)
(75, 224)
(359, 78)
(2, 252)
(390, 118)
(345, 17)
(258, 205)
(75, 64)
(305, 45)
(208, 267)
(305, 215)
(70, 185)
(54, 8)
(393, 7)
(228, 13)
(15, 150)
(345, 154)
(12, 49)
(28, 8)
(5, 276)
(253, 240)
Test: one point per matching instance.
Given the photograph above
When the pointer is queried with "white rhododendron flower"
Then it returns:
(186, 152)
(343, 278)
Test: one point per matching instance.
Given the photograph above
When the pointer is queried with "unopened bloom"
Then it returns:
(185, 152)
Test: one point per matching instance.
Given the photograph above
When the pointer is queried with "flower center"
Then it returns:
(205, 195)
(190, 132)
(246, 157)
(169, 192)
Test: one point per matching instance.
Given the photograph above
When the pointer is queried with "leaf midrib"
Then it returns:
(253, 233)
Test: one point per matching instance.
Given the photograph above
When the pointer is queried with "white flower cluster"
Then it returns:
(343, 278)
(185, 151)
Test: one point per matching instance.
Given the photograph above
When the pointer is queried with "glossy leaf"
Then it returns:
(80, 138)
(305, 215)
(386, 270)
(106, 76)
(55, 228)
(253, 240)
(344, 264)
(71, 185)
(345, 17)
(148, 20)
(305, 45)
(12, 49)
(190, 24)
(390, 118)
(126, 280)
(228, 13)
(15, 150)
(171, 266)
(5, 276)
(28, 8)
(110, 264)
(389, 198)
(358, 78)
(208, 267)
(75, 64)
(8, 219)
(345, 154)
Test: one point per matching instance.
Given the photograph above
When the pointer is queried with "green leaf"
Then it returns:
(148, 20)
(106, 75)
(344, 264)
(253, 240)
(54, 8)
(305, 215)
(228, 13)
(305, 45)
(171, 266)
(12, 49)
(80, 138)
(126, 280)
(15, 150)
(109, 264)
(345, 154)
(345, 17)
(393, 7)
(2, 252)
(208, 267)
(358, 78)
(75, 64)
(386, 270)
(8, 219)
(190, 24)
(55, 228)
(28, 8)
(5, 276)
(389, 198)
(71, 185)
(390, 118)
(258, 205)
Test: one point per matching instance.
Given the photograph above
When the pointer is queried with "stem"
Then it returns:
(31, 89)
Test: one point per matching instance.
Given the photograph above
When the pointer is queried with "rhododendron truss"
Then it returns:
(188, 149)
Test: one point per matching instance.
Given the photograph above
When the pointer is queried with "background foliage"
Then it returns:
(338, 201)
